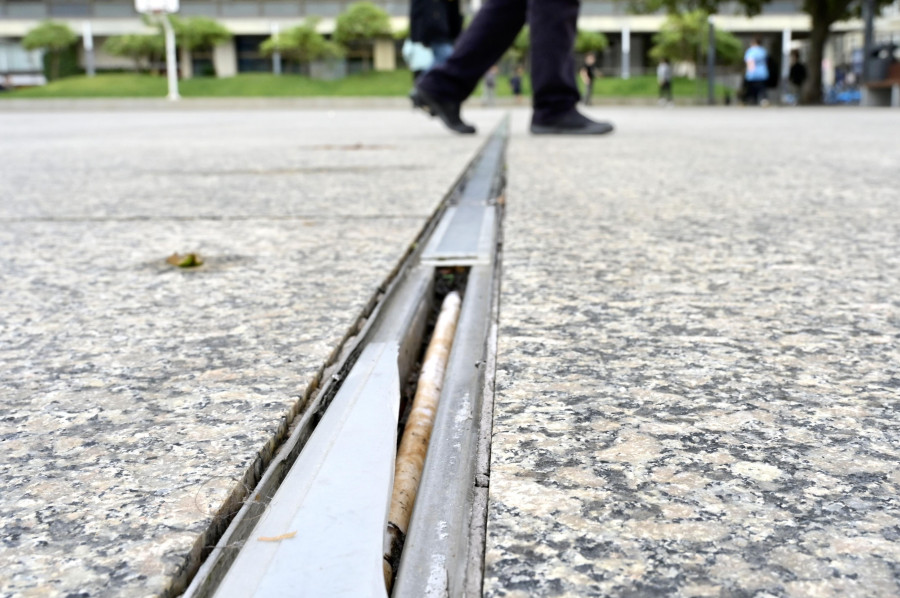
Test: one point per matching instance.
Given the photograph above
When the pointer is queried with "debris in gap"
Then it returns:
(449, 279)
(417, 433)
(188, 260)
(286, 536)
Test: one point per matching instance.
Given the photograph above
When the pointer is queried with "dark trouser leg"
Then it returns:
(479, 48)
(552, 62)
(756, 91)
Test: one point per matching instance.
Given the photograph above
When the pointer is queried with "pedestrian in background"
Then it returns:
(757, 73)
(490, 86)
(515, 83)
(797, 75)
(664, 80)
(555, 94)
(588, 74)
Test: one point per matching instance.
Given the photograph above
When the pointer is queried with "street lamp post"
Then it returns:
(87, 37)
(276, 55)
(868, 14)
(162, 9)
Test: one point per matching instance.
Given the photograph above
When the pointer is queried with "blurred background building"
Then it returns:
(252, 21)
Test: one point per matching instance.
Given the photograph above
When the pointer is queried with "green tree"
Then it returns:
(401, 34)
(302, 44)
(823, 14)
(590, 41)
(194, 34)
(360, 25)
(752, 7)
(53, 38)
(144, 49)
(518, 50)
(685, 36)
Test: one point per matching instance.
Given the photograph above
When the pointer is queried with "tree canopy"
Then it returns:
(752, 7)
(685, 36)
(590, 41)
(362, 22)
(518, 50)
(143, 49)
(53, 37)
(301, 43)
(49, 35)
(198, 33)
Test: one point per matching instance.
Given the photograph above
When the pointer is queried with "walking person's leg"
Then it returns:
(443, 88)
(555, 93)
(552, 28)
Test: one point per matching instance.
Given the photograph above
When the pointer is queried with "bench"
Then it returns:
(885, 92)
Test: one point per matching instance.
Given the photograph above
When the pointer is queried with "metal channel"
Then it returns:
(466, 235)
(444, 550)
(264, 548)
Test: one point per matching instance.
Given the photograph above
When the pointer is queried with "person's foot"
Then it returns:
(571, 123)
(448, 112)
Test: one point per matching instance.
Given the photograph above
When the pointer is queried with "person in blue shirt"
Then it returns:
(757, 74)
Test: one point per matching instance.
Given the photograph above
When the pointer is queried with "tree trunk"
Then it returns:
(187, 63)
(54, 65)
(154, 65)
(821, 25)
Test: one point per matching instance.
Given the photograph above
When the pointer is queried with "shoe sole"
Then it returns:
(431, 108)
(418, 104)
(549, 130)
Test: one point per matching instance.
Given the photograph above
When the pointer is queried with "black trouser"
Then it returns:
(756, 91)
(489, 36)
(665, 90)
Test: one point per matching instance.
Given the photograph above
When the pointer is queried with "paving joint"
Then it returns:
(327, 385)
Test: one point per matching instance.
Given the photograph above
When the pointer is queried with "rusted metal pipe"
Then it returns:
(417, 433)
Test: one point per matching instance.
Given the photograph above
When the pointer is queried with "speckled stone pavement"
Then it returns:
(135, 396)
(698, 369)
(699, 361)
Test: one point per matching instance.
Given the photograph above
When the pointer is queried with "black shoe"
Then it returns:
(419, 104)
(571, 123)
(448, 112)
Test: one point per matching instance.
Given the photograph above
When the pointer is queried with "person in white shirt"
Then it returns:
(664, 79)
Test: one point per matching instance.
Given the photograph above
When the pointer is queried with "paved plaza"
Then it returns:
(698, 368)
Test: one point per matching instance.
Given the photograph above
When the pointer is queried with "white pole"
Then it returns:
(276, 55)
(626, 52)
(785, 61)
(171, 64)
(87, 36)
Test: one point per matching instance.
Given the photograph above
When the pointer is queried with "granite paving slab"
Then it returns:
(138, 398)
(698, 369)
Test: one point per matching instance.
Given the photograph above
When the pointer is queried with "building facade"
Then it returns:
(782, 25)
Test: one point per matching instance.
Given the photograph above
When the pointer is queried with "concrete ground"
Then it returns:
(698, 367)
(699, 361)
(138, 398)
